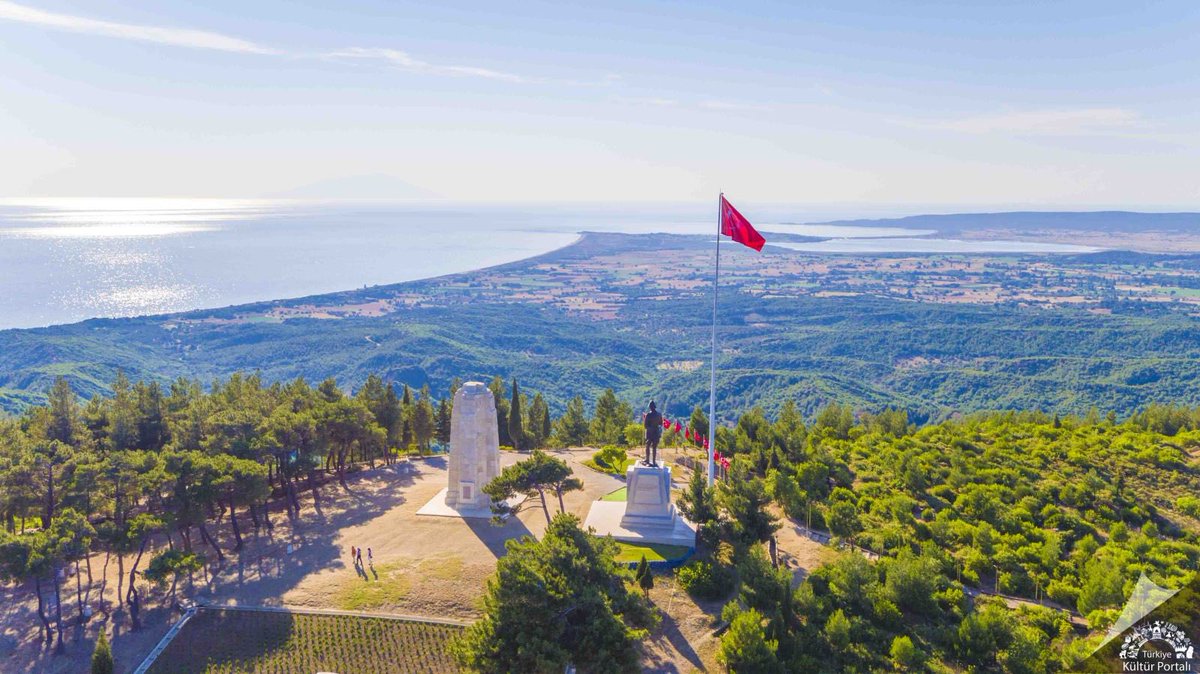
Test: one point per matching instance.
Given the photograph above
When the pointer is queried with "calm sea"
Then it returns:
(66, 260)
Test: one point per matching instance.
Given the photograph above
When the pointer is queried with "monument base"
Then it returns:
(607, 518)
(647, 515)
(437, 507)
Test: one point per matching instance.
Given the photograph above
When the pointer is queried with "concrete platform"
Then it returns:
(606, 517)
(436, 507)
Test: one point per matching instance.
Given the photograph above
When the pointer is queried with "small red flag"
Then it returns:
(688, 434)
(706, 442)
(666, 422)
(678, 427)
(716, 456)
(737, 227)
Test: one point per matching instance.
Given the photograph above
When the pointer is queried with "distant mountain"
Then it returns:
(367, 187)
(1103, 221)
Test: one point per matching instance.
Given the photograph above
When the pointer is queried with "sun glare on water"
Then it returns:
(80, 218)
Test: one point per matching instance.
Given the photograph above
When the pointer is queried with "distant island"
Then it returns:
(1162, 232)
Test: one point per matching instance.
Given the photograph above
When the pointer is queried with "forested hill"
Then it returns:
(932, 334)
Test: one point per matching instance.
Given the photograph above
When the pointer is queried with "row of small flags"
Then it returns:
(696, 438)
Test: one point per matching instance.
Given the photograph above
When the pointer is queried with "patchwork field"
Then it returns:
(217, 640)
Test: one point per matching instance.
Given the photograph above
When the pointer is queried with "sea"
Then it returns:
(66, 260)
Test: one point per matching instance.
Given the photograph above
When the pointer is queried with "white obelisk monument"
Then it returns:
(474, 455)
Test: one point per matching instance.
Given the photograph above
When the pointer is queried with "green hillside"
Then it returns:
(632, 313)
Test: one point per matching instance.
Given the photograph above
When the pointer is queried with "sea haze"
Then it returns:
(66, 260)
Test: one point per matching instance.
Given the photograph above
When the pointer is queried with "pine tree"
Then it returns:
(423, 419)
(699, 421)
(390, 415)
(698, 500)
(571, 429)
(443, 422)
(102, 659)
(608, 425)
(516, 430)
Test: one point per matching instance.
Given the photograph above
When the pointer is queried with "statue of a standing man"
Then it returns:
(654, 429)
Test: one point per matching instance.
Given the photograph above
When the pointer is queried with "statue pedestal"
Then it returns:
(648, 496)
(647, 515)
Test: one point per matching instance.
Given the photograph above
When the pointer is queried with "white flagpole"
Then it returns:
(712, 385)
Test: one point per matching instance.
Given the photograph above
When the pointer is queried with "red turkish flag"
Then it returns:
(737, 227)
(688, 434)
(666, 423)
(678, 427)
(706, 442)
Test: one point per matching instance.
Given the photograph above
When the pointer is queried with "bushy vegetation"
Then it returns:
(610, 459)
(216, 642)
(1065, 509)
(558, 601)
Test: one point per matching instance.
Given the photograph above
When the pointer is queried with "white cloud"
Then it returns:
(654, 101)
(177, 37)
(732, 106)
(1062, 122)
(404, 61)
(198, 39)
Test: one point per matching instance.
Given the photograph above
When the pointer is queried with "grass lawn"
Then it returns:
(384, 586)
(262, 641)
(618, 495)
(655, 552)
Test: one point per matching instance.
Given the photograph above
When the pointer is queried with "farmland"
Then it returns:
(215, 641)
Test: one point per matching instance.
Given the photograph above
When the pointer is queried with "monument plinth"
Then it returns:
(474, 455)
(647, 515)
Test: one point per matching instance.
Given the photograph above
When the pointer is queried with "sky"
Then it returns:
(1019, 104)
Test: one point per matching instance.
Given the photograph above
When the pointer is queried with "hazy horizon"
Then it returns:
(1088, 104)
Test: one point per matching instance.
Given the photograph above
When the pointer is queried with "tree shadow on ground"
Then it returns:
(271, 564)
(670, 629)
(495, 536)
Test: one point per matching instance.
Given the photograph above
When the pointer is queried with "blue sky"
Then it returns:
(1021, 104)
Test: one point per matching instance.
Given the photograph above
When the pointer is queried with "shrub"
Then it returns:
(705, 580)
(102, 659)
(905, 655)
(610, 459)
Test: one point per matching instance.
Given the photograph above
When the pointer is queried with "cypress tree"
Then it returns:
(645, 579)
(515, 430)
(497, 389)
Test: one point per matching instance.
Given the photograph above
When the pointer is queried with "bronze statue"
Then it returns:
(654, 428)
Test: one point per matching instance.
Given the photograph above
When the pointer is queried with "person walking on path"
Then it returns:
(352, 550)
(370, 557)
